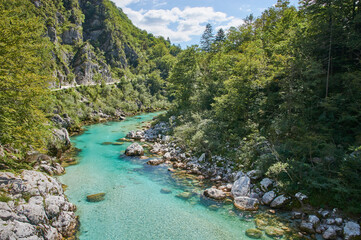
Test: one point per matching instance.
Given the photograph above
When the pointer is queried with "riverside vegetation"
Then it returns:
(279, 94)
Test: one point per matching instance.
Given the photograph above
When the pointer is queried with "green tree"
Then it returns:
(24, 75)
(207, 38)
(183, 79)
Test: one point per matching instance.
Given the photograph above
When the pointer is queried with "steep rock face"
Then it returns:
(90, 38)
(110, 38)
(88, 68)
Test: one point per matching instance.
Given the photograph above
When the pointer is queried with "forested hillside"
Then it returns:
(280, 94)
(47, 45)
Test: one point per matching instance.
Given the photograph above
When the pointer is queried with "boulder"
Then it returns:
(266, 183)
(134, 150)
(279, 201)
(139, 134)
(268, 197)
(62, 136)
(254, 174)
(95, 197)
(301, 197)
(155, 161)
(351, 230)
(254, 233)
(165, 139)
(202, 158)
(167, 156)
(314, 220)
(214, 193)
(307, 227)
(330, 233)
(338, 221)
(246, 203)
(242, 186)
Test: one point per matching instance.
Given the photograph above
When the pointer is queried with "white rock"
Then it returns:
(300, 196)
(246, 203)
(266, 183)
(35, 213)
(330, 233)
(241, 187)
(279, 201)
(314, 220)
(202, 158)
(254, 174)
(134, 150)
(268, 197)
(214, 193)
(351, 230)
(18, 230)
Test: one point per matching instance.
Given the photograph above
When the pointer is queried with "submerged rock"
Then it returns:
(254, 233)
(213, 207)
(274, 231)
(166, 191)
(184, 195)
(134, 150)
(95, 197)
(246, 203)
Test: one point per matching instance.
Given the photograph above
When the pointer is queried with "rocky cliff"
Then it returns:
(92, 41)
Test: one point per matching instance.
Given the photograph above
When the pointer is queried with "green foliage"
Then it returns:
(24, 75)
(4, 198)
(280, 94)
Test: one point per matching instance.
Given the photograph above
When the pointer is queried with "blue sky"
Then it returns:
(184, 21)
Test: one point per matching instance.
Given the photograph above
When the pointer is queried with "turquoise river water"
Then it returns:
(134, 207)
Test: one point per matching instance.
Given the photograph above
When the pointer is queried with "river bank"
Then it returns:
(248, 190)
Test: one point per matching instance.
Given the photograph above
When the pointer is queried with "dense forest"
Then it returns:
(280, 93)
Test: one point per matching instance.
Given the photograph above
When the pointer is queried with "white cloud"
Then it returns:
(179, 25)
(235, 22)
(123, 3)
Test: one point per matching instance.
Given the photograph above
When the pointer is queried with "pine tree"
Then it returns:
(207, 38)
(221, 36)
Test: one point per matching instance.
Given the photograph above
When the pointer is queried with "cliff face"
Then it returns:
(92, 41)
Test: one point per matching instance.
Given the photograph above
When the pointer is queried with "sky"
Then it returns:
(184, 21)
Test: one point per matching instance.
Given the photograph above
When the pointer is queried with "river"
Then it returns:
(134, 207)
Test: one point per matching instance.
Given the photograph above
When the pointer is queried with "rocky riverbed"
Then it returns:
(248, 190)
